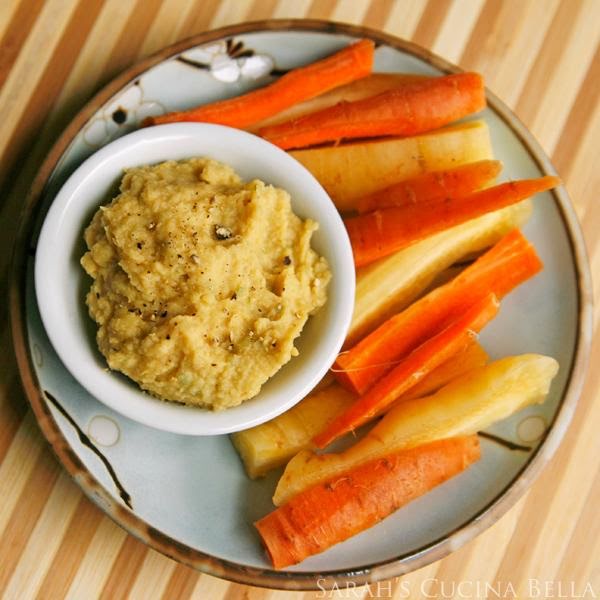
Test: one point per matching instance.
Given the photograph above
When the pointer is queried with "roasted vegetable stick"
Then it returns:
(510, 262)
(372, 84)
(351, 63)
(447, 183)
(379, 233)
(390, 284)
(331, 512)
(418, 364)
(351, 171)
(469, 404)
(471, 357)
(407, 110)
(272, 444)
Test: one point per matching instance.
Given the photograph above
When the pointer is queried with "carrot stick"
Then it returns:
(300, 84)
(472, 357)
(382, 232)
(410, 371)
(413, 108)
(448, 183)
(331, 512)
(507, 264)
(372, 84)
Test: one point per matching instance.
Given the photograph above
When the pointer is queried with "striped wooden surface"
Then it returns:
(540, 56)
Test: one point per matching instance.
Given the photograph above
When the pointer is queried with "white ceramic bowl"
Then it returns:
(61, 283)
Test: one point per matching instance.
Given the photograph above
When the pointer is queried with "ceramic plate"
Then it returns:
(188, 496)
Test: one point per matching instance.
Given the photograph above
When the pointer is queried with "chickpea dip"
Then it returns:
(201, 282)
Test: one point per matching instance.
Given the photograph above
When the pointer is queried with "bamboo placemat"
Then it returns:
(540, 56)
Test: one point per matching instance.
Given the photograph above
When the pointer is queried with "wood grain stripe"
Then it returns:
(229, 12)
(30, 129)
(585, 536)
(86, 73)
(16, 33)
(232, 593)
(199, 18)
(90, 70)
(543, 69)
(212, 587)
(404, 18)
(560, 71)
(166, 26)
(589, 191)
(14, 408)
(512, 59)
(7, 12)
(45, 538)
(153, 576)
(552, 500)
(482, 35)
(124, 569)
(321, 9)
(378, 13)
(82, 527)
(291, 9)
(456, 28)
(479, 559)
(501, 39)
(351, 11)
(579, 118)
(583, 177)
(133, 32)
(181, 584)
(595, 268)
(260, 10)
(95, 567)
(28, 508)
(16, 468)
(83, 80)
(29, 68)
(431, 22)
(50, 83)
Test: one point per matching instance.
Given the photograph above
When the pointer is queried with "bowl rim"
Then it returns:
(270, 578)
(72, 203)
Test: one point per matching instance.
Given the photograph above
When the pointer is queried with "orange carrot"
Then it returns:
(510, 262)
(331, 512)
(372, 84)
(300, 84)
(411, 370)
(449, 183)
(472, 357)
(410, 109)
(382, 232)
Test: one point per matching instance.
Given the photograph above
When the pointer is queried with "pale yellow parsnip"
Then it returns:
(272, 444)
(392, 283)
(352, 170)
(468, 404)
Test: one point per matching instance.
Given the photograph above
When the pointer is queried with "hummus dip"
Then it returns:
(201, 281)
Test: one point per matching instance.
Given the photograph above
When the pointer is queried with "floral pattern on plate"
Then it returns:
(229, 60)
(121, 116)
